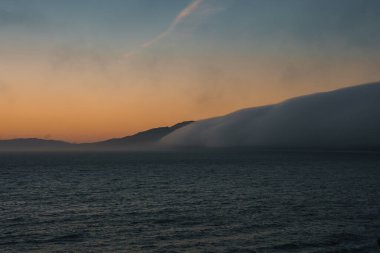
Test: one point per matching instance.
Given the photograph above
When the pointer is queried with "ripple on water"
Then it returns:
(190, 202)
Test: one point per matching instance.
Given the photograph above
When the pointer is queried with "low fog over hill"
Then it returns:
(344, 118)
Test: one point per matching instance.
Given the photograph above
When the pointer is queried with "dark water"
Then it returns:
(215, 201)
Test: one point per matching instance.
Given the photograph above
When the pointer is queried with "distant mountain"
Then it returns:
(143, 140)
(347, 118)
(32, 144)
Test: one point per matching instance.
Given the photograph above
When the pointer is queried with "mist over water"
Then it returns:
(209, 201)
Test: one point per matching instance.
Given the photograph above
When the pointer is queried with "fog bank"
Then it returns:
(344, 118)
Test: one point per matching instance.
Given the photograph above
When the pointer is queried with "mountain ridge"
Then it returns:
(143, 139)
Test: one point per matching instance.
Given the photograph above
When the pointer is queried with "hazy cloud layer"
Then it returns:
(346, 118)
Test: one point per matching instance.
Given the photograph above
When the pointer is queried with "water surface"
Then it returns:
(193, 201)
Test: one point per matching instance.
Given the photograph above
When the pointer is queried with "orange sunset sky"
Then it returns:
(81, 73)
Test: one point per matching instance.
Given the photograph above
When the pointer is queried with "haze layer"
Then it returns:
(345, 118)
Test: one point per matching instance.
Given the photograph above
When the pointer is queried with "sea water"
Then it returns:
(190, 201)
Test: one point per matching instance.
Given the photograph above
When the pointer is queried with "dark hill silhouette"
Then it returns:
(142, 140)
(145, 139)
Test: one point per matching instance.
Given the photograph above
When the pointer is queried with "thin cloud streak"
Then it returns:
(193, 6)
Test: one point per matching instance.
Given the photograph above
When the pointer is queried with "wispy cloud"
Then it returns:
(193, 6)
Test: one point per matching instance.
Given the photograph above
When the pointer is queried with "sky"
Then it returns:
(88, 70)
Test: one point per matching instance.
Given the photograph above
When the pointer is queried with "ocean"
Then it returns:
(190, 201)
